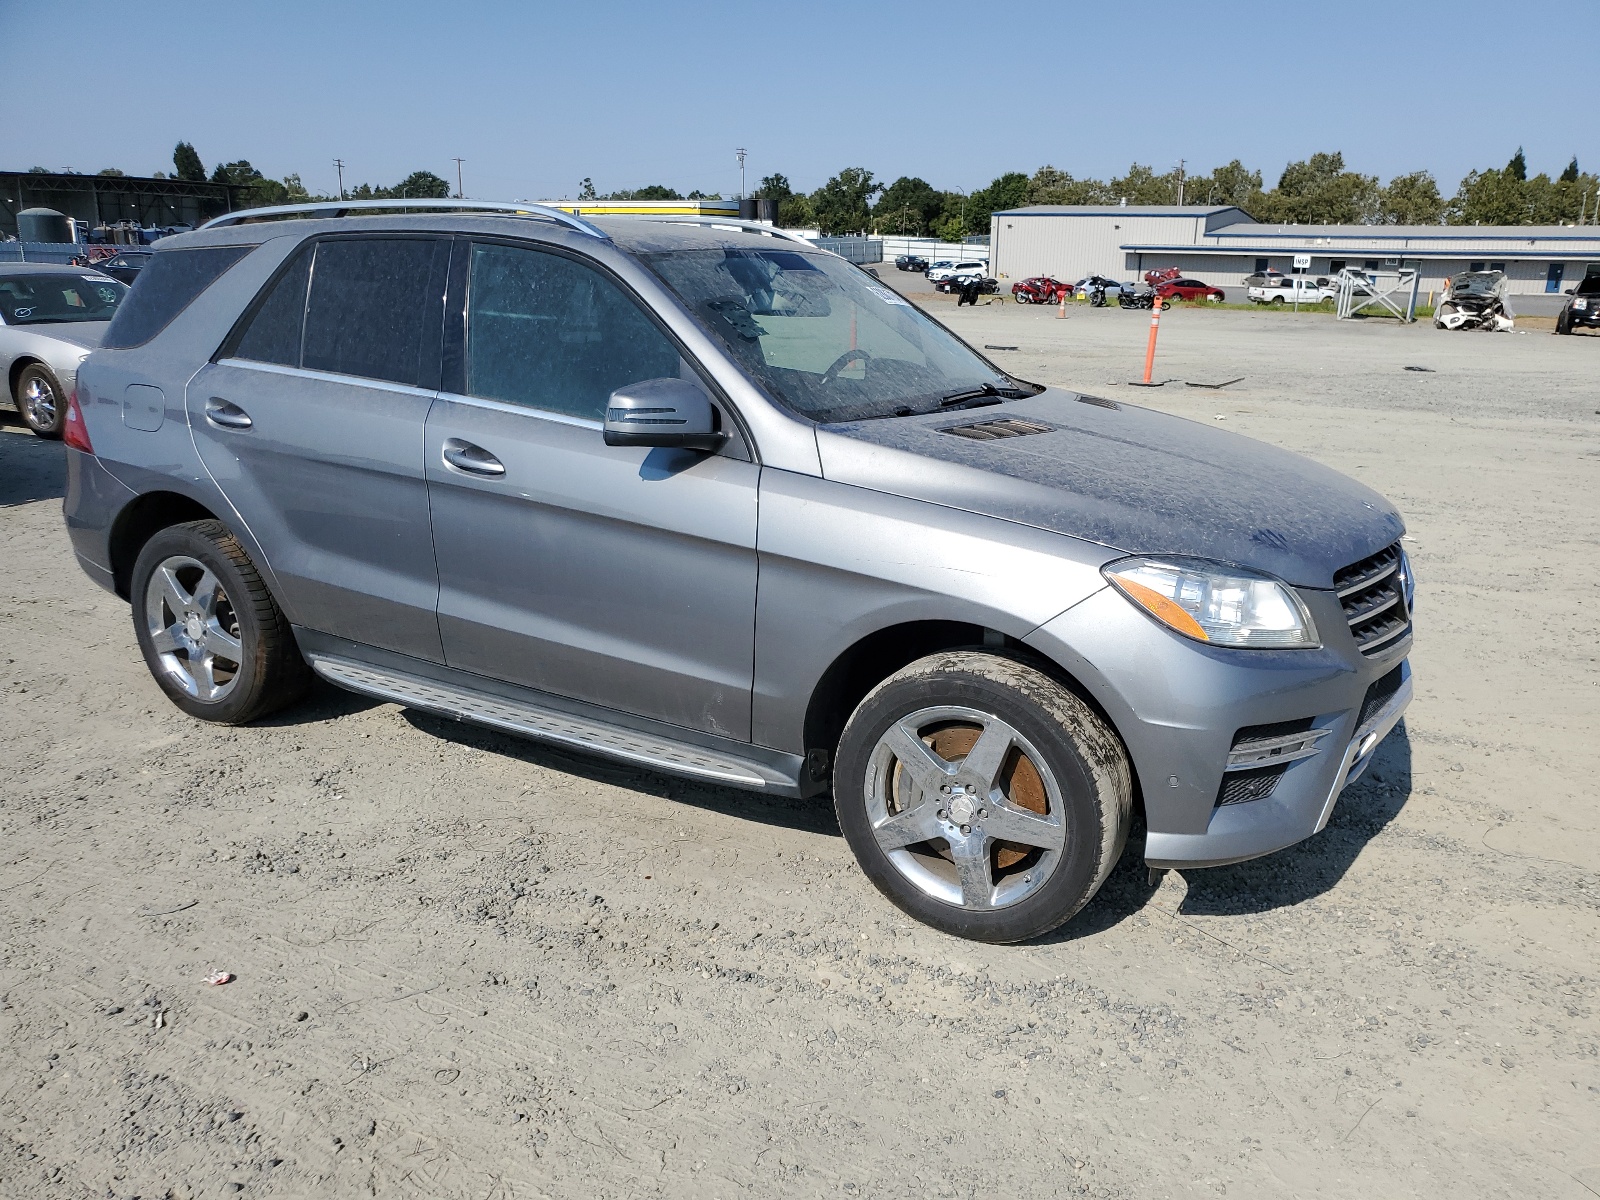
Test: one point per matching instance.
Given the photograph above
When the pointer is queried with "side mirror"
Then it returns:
(1571, 290)
(662, 412)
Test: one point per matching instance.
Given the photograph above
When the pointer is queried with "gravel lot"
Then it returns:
(469, 966)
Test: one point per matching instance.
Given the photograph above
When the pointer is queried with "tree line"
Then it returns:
(1319, 190)
(1316, 191)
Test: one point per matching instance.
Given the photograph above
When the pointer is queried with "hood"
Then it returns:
(1129, 478)
(77, 333)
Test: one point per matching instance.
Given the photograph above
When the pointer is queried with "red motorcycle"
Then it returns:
(1040, 289)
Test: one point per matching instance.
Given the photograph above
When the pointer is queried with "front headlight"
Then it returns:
(1580, 303)
(1215, 603)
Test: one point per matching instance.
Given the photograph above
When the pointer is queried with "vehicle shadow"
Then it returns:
(1278, 880)
(814, 815)
(31, 468)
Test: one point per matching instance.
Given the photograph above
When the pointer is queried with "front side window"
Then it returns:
(58, 298)
(550, 333)
(824, 337)
(372, 305)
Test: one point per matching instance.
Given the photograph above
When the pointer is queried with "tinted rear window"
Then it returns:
(166, 286)
(273, 334)
(371, 302)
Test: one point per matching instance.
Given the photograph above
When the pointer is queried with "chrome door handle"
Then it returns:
(228, 416)
(474, 460)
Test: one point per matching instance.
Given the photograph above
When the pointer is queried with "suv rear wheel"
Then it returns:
(981, 796)
(211, 633)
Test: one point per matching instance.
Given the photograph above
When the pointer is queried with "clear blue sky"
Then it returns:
(535, 96)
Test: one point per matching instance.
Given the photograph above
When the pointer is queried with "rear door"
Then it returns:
(622, 576)
(311, 421)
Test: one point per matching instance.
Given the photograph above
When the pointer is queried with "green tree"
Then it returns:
(1410, 200)
(586, 190)
(421, 185)
(1048, 185)
(907, 206)
(654, 191)
(187, 163)
(1141, 185)
(774, 187)
(1319, 191)
(1489, 197)
(1517, 168)
(841, 203)
(1005, 192)
(795, 212)
(697, 194)
(1231, 184)
(1570, 175)
(112, 172)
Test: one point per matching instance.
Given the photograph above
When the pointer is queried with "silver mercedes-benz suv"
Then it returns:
(705, 498)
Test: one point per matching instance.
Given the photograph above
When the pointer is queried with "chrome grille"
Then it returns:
(1372, 593)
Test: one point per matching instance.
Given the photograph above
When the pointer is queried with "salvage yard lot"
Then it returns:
(472, 966)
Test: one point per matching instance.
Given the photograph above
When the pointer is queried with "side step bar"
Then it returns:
(548, 724)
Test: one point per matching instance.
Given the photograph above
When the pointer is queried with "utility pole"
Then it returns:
(740, 152)
(1180, 183)
(339, 163)
(461, 192)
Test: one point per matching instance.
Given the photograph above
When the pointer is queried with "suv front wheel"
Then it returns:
(211, 633)
(981, 796)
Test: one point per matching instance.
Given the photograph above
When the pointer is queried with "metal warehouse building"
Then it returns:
(1223, 245)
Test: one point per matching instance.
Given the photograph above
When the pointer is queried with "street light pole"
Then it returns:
(740, 152)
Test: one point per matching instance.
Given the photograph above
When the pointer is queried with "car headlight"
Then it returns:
(1214, 603)
(1580, 303)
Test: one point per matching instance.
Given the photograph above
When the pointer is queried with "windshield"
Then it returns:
(827, 339)
(54, 298)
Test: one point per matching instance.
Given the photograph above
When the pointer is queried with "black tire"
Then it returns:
(1277, 299)
(1084, 771)
(269, 672)
(41, 400)
(1564, 321)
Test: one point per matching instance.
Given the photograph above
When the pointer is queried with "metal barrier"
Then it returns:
(855, 249)
(1375, 289)
(42, 252)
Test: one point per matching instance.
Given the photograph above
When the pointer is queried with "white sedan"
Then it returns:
(50, 318)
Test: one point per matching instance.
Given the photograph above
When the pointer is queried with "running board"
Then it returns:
(547, 724)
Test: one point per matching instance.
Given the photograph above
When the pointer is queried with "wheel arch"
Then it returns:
(139, 521)
(874, 657)
(20, 364)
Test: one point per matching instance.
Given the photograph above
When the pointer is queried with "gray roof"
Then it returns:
(1378, 232)
(1119, 210)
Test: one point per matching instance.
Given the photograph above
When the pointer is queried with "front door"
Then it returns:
(311, 422)
(625, 577)
(1552, 277)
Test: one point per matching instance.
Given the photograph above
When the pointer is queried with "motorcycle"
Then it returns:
(1137, 299)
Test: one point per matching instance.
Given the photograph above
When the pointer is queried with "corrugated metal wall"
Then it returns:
(1070, 247)
(1227, 271)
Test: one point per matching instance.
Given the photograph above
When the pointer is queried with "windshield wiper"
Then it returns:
(987, 389)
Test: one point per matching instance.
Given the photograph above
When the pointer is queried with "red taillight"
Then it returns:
(73, 431)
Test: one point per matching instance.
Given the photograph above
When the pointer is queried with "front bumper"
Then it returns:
(1179, 706)
(1589, 316)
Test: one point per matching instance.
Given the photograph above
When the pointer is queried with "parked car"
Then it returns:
(1090, 282)
(50, 318)
(1039, 289)
(125, 265)
(1263, 278)
(1156, 278)
(1289, 289)
(991, 616)
(911, 262)
(1189, 289)
(951, 270)
(1583, 310)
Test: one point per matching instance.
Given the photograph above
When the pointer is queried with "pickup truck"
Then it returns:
(1290, 288)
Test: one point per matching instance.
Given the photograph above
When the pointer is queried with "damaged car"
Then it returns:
(1475, 300)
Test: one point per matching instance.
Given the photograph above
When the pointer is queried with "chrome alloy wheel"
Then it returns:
(193, 628)
(40, 403)
(965, 808)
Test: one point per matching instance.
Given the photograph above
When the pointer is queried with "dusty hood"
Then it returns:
(1128, 478)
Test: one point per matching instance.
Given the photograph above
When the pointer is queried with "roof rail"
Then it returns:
(721, 223)
(340, 208)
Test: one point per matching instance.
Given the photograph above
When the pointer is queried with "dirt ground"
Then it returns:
(469, 966)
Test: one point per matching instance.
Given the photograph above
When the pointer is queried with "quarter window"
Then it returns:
(273, 335)
(168, 284)
(550, 333)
